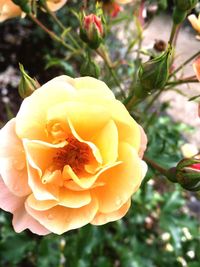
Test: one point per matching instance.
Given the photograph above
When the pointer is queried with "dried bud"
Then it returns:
(90, 68)
(160, 45)
(153, 74)
(27, 85)
(92, 30)
(186, 173)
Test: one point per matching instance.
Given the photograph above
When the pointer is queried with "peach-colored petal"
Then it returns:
(54, 5)
(196, 67)
(128, 129)
(41, 191)
(74, 199)
(22, 220)
(107, 142)
(94, 148)
(8, 201)
(40, 204)
(143, 144)
(102, 218)
(43, 181)
(61, 219)
(40, 153)
(31, 118)
(85, 125)
(120, 182)
(84, 182)
(122, 2)
(9, 10)
(92, 87)
(195, 22)
(12, 161)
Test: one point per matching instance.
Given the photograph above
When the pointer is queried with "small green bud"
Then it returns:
(27, 85)
(24, 5)
(90, 68)
(179, 15)
(186, 173)
(182, 7)
(153, 74)
(91, 31)
(185, 5)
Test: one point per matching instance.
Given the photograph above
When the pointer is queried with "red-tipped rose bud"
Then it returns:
(186, 173)
(92, 30)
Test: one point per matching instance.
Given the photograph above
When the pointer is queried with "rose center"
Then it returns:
(75, 154)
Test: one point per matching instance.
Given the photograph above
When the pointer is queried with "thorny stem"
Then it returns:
(55, 18)
(173, 33)
(110, 67)
(183, 81)
(156, 166)
(51, 33)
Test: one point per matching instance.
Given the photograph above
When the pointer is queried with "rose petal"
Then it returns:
(143, 145)
(9, 10)
(73, 199)
(84, 182)
(107, 142)
(8, 201)
(85, 125)
(31, 121)
(54, 5)
(12, 161)
(22, 220)
(40, 204)
(120, 182)
(60, 219)
(92, 86)
(102, 218)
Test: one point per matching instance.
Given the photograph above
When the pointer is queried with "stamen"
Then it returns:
(75, 154)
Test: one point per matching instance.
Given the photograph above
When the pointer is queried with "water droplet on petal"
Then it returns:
(16, 188)
(18, 165)
(118, 201)
(49, 216)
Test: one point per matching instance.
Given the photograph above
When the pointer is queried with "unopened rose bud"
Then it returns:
(92, 31)
(27, 85)
(186, 173)
(153, 74)
(90, 68)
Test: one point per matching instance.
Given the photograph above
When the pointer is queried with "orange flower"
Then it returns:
(72, 156)
(9, 10)
(195, 21)
(196, 67)
(112, 6)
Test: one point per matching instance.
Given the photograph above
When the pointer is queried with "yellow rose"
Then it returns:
(9, 10)
(72, 156)
(195, 21)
